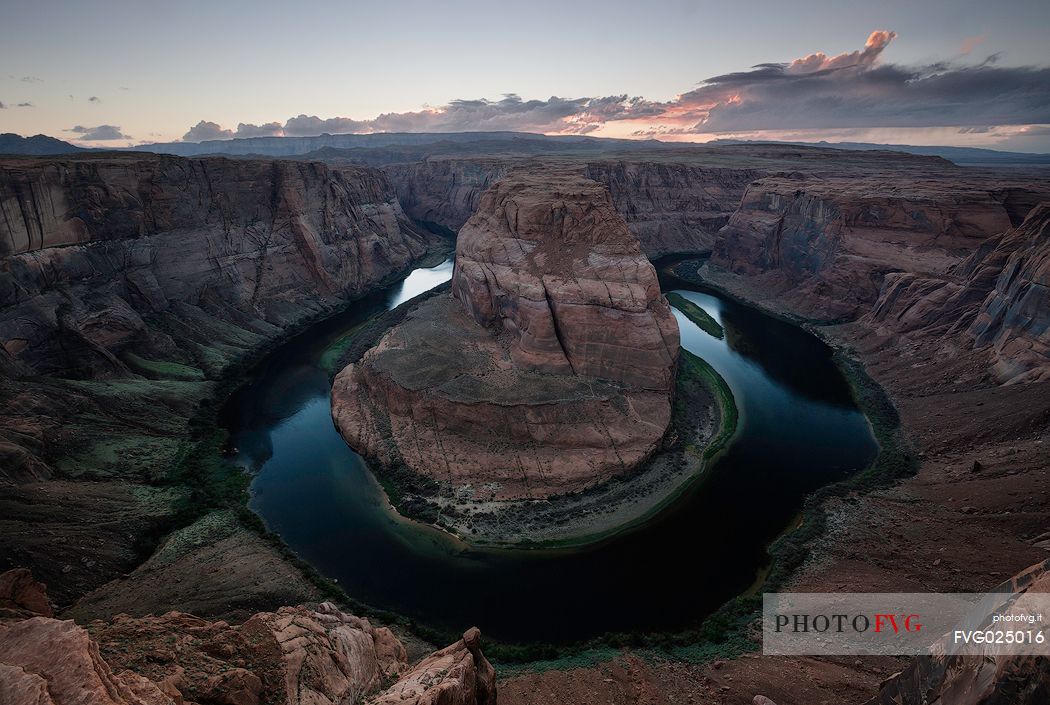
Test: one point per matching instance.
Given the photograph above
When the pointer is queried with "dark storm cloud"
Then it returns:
(874, 96)
(99, 133)
(854, 91)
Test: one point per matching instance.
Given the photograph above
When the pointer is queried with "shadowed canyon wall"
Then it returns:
(670, 208)
(129, 286)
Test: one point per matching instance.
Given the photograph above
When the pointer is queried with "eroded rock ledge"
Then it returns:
(548, 370)
(302, 655)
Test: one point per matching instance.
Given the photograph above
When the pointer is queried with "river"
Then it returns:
(799, 430)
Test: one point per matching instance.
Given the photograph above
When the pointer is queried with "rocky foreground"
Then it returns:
(304, 655)
(548, 369)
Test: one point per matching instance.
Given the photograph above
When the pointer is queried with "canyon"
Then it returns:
(134, 286)
(547, 370)
(131, 286)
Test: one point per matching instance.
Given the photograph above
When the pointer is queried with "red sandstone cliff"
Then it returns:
(826, 244)
(669, 207)
(996, 299)
(113, 266)
(92, 247)
(549, 371)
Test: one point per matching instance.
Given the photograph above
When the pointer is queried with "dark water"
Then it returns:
(799, 430)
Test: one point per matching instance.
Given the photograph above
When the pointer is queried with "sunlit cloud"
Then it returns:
(970, 44)
(851, 90)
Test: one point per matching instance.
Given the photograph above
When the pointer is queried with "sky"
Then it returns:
(118, 73)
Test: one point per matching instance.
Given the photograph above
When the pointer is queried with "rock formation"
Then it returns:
(673, 208)
(161, 266)
(826, 244)
(548, 370)
(444, 191)
(997, 298)
(669, 207)
(295, 656)
(21, 596)
(96, 249)
(1015, 318)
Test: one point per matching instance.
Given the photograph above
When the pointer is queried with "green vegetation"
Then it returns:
(337, 351)
(697, 315)
(161, 369)
(695, 370)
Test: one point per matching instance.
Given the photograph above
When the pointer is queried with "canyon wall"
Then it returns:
(998, 298)
(445, 192)
(670, 207)
(548, 371)
(92, 247)
(826, 244)
(129, 286)
(168, 269)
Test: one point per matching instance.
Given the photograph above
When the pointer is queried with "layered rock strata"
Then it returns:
(827, 245)
(548, 370)
(980, 680)
(170, 269)
(997, 299)
(130, 284)
(669, 207)
(295, 656)
(96, 251)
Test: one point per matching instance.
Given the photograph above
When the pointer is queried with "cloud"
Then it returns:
(856, 90)
(100, 133)
(511, 112)
(851, 90)
(270, 129)
(26, 104)
(877, 41)
(2, 106)
(204, 130)
(31, 79)
(970, 44)
(1034, 131)
(94, 99)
